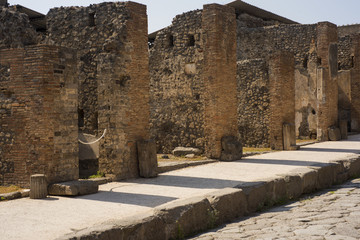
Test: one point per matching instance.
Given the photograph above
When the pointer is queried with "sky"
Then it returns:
(161, 12)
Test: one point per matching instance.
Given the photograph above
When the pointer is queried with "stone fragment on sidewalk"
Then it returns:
(231, 149)
(182, 151)
(73, 188)
(334, 134)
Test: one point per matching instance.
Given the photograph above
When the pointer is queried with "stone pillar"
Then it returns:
(38, 186)
(327, 86)
(219, 76)
(123, 96)
(355, 86)
(282, 96)
(41, 99)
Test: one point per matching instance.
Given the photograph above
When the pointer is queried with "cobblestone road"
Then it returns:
(330, 214)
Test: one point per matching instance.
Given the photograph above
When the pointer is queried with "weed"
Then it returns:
(213, 216)
(98, 175)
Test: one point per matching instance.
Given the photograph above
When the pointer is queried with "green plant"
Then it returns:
(180, 232)
(97, 175)
(2, 199)
(213, 216)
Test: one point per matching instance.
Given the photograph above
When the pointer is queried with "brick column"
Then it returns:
(282, 96)
(123, 95)
(327, 87)
(355, 86)
(219, 76)
(41, 120)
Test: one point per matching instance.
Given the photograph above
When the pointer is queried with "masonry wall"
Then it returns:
(282, 96)
(123, 96)
(355, 86)
(38, 128)
(15, 30)
(253, 104)
(348, 79)
(92, 31)
(176, 87)
(302, 41)
(327, 85)
(219, 76)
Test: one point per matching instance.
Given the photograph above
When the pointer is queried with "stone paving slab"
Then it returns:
(116, 202)
(330, 214)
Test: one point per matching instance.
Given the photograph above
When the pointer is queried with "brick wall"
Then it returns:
(282, 96)
(123, 96)
(327, 93)
(219, 76)
(38, 114)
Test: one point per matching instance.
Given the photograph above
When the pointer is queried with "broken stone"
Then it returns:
(147, 158)
(231, 149)
(334, 134)
(190, 155)
(38, 186)
(183, 151)
(73, 188)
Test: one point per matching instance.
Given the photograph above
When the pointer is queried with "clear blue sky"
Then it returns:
(161, 12)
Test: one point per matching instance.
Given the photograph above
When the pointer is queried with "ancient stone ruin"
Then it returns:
(216, 79)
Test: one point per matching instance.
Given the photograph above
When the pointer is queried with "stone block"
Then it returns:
(186, 216)
(231, 149)
(256, 195)
(289, 136)
(228, 204)
(293, 185)
(308, 179)
(325, 175)
(147, 158)
(38, 186)
(343, 129)
(183, 151)
(73, 188)
(334, 134)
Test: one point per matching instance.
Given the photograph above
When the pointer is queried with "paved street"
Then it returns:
(330, 214)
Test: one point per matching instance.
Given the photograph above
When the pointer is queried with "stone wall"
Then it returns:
(15, 30)
(38, 114)
(176, 87)
(92, 31)
(303, 42)
(348, 30)
(355, 86)
(254, 99)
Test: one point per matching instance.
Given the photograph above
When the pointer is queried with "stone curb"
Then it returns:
(15, 195)
(185, 217)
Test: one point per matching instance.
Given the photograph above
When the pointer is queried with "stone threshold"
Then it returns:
(186, 217)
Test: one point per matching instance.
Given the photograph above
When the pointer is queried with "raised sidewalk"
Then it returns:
(182, 202)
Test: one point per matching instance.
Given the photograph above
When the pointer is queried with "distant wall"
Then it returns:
(15, 30)
(302, 41)
(38, 113)
(176, 87)
(92, 31)
(254, 100)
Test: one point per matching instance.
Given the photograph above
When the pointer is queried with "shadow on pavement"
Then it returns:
(128, 198)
